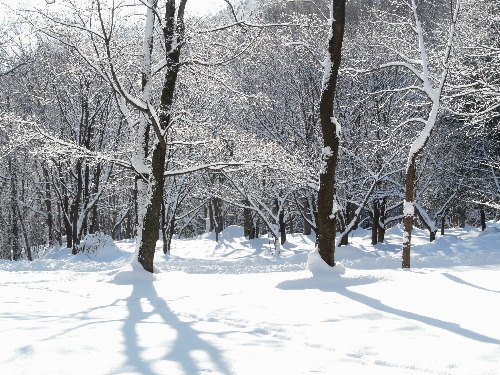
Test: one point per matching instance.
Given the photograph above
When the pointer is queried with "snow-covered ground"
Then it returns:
(230, 308)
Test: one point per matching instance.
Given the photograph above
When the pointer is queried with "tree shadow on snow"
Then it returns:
(461, 281)
(187, 338)
(340, 284)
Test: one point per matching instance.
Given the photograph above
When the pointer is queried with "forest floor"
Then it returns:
(230, 308)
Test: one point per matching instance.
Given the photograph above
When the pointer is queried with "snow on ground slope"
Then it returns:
(229, 308)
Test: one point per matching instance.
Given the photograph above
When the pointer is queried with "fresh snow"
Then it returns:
(230, 308)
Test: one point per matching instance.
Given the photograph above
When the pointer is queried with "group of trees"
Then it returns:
(138, 119)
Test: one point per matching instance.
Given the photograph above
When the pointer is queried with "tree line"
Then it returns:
(142, 121)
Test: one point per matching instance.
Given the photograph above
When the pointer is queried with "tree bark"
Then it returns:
(151, 220)
(376, 217)
(408, 210)
(483, 219)
(15, 245)
(381, 221)
(326, 194)
(173, 35)
(48, 207)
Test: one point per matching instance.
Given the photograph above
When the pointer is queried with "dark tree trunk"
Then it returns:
(432, 236)
(164, 227)
(94, 223)
(442, 225)
(381, 227)
(248, 226)
(25, 235)
(326, 195)
(151, 223)
(67, 223)
(218, 216)
(307, 215)
(15, 245)
(173, 34)
(483, 219)
(376, 217)
(343, 222)
(282, 226)
(168, 228)
(48, 206)
(408, 218)
(211, 216)
(75, 208)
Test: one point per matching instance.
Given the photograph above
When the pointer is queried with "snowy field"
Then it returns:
(229, 308)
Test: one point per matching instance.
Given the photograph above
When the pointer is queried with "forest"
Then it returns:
(139, 119)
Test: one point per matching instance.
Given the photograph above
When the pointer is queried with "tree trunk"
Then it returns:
(94, 223)
(248, 226)
(381, 227)
(173, 35)
(282, 225)
(67, 223)
(152, 210)
(376, 217)
(307, 216)
(442, 225)
(15, 245)
(483, 219)
(408, 210)
(331, 132)
(48, 207)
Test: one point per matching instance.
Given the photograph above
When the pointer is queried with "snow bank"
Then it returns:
(98, 247)
(319, 268)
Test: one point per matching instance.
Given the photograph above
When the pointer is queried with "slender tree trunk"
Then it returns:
(94, 223)
(282, 226)
(483, 219)
(331, 137)
(67, 223)
(248, 226)
(15, 244)
(381, 227)
(48, 207)
(442, 225)
(25, 234)
(376, 217)
(307, 216)
(408, 210)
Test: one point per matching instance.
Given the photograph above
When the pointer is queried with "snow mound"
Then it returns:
(101, 247)
(232, 231)
(132, 273)
(318, 266)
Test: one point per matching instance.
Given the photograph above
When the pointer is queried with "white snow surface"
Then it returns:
(230, 308)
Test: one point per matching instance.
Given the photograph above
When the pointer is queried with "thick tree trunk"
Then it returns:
(151, 215)
(331, 132)
(173, 34)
